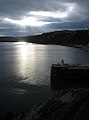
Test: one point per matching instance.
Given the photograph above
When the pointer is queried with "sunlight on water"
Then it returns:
(18, 91)
(20, 43)
(25, 71)
(26, 60)
(32, 62)
(24, 50)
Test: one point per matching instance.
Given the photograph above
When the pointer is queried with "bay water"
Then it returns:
(25, 72)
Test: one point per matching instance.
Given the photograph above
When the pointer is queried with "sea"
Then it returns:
(25, 72)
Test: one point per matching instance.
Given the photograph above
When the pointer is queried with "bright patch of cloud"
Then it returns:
(54, 14)
(43, 16)
(26, 21)
(39, 18)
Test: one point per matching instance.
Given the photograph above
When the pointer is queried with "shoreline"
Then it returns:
(82, 47)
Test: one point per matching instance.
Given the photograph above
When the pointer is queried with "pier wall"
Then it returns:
(62, 76)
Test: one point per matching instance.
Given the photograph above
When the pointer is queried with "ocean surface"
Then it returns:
(25, 72)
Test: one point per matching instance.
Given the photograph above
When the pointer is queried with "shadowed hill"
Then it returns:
(64, 37)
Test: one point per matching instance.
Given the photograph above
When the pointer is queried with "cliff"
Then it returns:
(68, 104)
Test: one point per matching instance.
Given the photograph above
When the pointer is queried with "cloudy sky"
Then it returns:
(29, 17)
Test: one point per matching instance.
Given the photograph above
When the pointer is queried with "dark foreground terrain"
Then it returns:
(68, 104)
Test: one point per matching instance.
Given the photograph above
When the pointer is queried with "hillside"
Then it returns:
(65, 37)
(68, 104)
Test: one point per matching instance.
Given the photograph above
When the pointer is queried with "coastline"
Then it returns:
(28, 114)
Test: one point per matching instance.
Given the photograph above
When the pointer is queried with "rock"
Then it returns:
(71, 104)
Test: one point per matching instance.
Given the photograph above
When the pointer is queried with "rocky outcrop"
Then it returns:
(68, 104)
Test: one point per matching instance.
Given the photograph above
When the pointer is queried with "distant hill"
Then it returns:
(65, 37)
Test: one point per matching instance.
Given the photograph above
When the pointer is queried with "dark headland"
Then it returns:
(64, 37)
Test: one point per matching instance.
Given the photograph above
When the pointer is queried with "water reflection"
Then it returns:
(25, 68)
(23, 50)
(26, 61)
(18, 91)
(33, 62)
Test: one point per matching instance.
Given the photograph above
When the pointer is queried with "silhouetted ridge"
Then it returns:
(65, 37)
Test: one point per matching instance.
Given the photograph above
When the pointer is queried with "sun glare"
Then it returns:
(23, 49)
(21, 43)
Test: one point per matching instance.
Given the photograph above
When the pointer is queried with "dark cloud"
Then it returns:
(17, 9)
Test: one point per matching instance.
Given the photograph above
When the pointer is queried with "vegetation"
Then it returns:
(65, 37)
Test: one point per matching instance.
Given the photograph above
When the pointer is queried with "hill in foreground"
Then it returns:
(68, 104)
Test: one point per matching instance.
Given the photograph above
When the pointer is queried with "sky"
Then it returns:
(31, 17)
